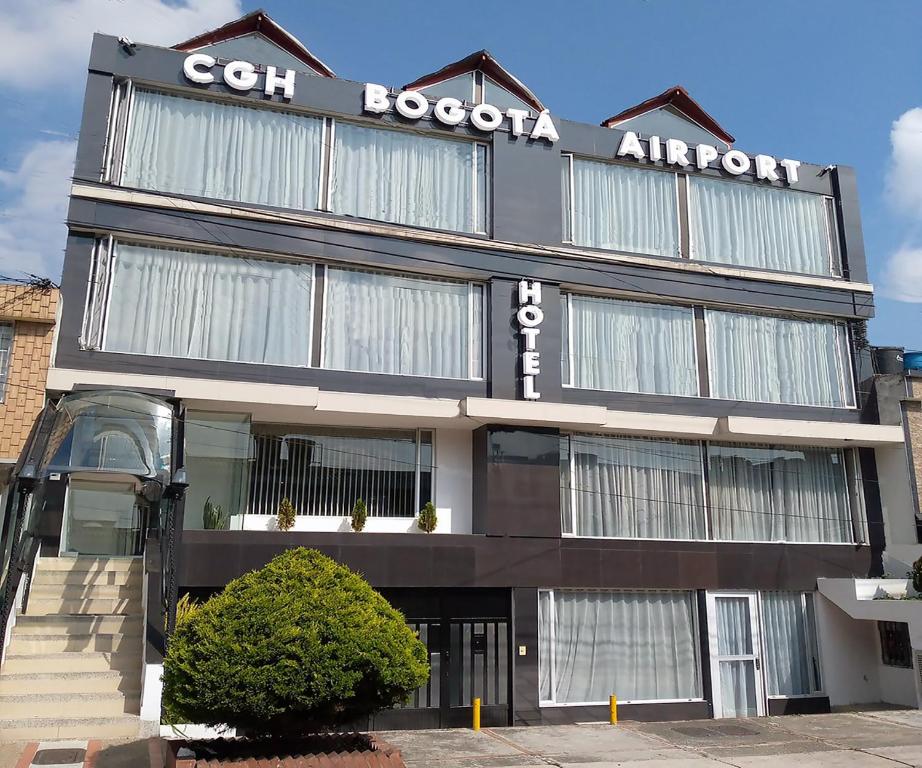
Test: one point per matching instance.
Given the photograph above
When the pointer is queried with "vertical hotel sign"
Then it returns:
(529, 317)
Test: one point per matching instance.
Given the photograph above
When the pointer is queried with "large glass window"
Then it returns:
(760, 493)
(622, 208)
(792, 665)
(753, 226)
(779, 360)
(217, 463)
(394, 324)
(632, 487)
(225, 151)
(626, 346)
(188, 304)
(324, 471)
(408, 178)
(640, 646)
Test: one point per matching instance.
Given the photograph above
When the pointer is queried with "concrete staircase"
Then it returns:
(73, 667)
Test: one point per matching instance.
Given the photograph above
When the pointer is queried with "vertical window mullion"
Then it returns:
(570, 353)
(706, 492)
(123, 130)
(110, 270)
(417, 499)
(682, 217)
(326, 168)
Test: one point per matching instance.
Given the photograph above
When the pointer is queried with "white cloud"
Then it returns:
(902, 276)
(32, 231)
(47, 40)
(903, 180)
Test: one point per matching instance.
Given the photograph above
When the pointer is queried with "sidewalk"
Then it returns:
(873, 739)
(885, 739)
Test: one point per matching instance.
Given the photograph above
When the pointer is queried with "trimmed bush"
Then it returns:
(302, 645)
(916, 575)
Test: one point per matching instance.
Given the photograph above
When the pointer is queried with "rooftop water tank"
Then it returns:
(912, 361)
(888, 360)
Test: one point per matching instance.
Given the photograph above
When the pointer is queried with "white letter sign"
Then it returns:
(530, 316)
(239, 75)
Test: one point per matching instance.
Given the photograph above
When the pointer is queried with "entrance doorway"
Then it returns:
(468, 639)
(101, 517)
(736, 657)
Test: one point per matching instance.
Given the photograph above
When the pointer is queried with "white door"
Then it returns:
(735, 647)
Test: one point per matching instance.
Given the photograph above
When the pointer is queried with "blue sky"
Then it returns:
(821, 81)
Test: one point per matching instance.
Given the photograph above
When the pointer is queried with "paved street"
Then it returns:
(855, 739)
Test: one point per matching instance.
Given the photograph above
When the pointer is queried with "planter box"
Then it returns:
(342, 750)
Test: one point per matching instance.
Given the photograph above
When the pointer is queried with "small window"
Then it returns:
(6, 347)
(895, 647)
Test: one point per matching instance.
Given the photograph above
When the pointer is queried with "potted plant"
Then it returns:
(359, 515)
(330, 651)
(427, 518)
(286, 515)
(213, 517)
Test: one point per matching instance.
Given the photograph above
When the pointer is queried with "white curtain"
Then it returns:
(625, 346)
(634, 488)
(392, 324)
(407, 178)
(769, 494)
(747, 225)
(225, 151)
(204, 305)
(624, 209)
(789, 659)
(636, 645)
(778, 360)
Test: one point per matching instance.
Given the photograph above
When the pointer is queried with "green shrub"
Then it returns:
(427, 518)
(213, 517)
(916, 575)
(304, 644)
(186, 607)
(286, 515)
(359, 515)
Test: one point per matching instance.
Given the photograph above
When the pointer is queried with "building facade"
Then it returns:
(626, 363)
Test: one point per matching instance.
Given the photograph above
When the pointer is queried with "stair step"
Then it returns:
(37, 705)
(62, 591)
(69, 661)
(95, 564)
(88, 578)
(50, 728)
(109, 681)
(42, 606)
(78, 624)
(77, 643)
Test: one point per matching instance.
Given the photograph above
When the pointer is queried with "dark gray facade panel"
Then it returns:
(527, 205)
(502, 340)
(91, 144)
(703, 406)
(297, 239)
(851, 239)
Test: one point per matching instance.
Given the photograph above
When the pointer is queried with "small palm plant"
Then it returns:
(286, 515)
(213, 517)
(359, 515)
(427, 518)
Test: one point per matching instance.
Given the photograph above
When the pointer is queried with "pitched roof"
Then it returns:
(677, 98)
(485, 62)
(259, 22)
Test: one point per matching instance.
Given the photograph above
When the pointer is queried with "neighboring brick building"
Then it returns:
(27, 320)
(913, 426)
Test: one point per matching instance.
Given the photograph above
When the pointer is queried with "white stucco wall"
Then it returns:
(850, 655)
(897, 685)
(896, 496)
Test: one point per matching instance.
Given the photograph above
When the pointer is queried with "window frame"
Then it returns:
(833, 246)
(846, 369)
(121, 102)
(805, 597)
(883, 627)
(569, 383)
(696, 636)
(7, 340)
(853, 489)
(472, 285)
(646, 166)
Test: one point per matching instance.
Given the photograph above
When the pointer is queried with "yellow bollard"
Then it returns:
(476, 714)
(613, 709)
